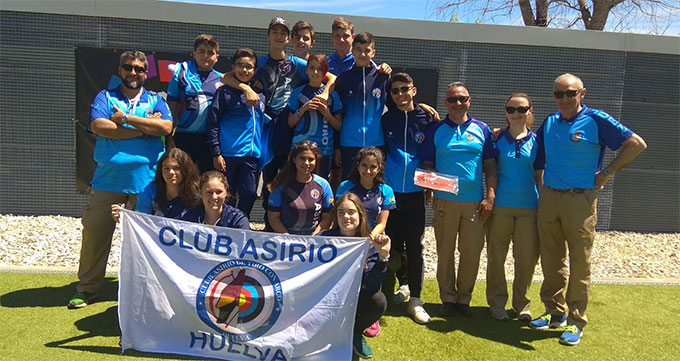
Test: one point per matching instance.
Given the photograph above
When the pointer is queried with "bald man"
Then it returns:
(571, 144)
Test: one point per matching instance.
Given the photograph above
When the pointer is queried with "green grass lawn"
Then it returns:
(627, 322)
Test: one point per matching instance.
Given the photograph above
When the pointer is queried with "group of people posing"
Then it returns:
(319, 128)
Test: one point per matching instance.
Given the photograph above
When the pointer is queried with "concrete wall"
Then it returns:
(636, 78)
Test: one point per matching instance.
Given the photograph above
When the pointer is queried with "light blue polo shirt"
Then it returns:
(571, 150)
(459, 150)
(515, 162)
(128, 165)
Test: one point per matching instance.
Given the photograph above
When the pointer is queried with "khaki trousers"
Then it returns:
(518, 224)
(457, 221)
(566, 220)
(98, 228)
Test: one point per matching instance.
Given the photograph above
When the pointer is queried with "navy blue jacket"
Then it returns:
(231, 217)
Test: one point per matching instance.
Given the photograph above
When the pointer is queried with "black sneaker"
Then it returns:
(81, 299)
(447, 309)
(464, 309)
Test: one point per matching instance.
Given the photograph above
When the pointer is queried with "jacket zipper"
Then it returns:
(403, 179)
(252, 140)
(363, 114)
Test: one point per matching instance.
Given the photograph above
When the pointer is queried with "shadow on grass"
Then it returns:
(105, 324)
(513, 333)
(102, 324)
(55, 296)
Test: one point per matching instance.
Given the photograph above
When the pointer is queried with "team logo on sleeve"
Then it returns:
(240, 299)
(577, 135)
(376, 92)
(315, 194)
(392, 200)
(419, 137)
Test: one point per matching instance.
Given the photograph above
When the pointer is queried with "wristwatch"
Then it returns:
(125, 119)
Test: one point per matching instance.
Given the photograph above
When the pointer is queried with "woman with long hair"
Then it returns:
(300, 201)
(349, 218)
(173, 190)
(514, 213)
(366, 181)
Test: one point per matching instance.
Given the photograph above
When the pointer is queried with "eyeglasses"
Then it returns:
(307, 143)
(461, 99)
(522, 110)
(404, 89)
(570, 93)
(138, 69)
(243, 66)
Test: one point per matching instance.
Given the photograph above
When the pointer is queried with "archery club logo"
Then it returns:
(577, 135)
(240, 299)
(285, 68)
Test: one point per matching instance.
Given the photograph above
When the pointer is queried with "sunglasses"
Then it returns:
(308, 143)
(138, 69)
(403, 89)
(461, 99)
(521, 110)
(570, 93)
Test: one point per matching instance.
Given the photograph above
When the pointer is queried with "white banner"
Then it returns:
(217, 292)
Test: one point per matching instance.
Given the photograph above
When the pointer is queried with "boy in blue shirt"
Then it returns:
(363, 91)
(404, 128)
(190, 93)
(277, 75)
(303, 39)
(234, 133)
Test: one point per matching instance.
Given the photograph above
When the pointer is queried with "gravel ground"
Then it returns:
(54, 241)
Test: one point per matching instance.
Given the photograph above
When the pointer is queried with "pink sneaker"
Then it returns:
(373, 330)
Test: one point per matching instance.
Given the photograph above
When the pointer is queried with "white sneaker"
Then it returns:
(403, 294)
(416, 310)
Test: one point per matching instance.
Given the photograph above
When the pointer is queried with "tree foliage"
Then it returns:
(653, 16)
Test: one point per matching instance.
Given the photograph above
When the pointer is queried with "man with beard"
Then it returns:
(129, 123)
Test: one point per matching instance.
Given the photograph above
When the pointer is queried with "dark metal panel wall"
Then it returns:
(37, 102)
